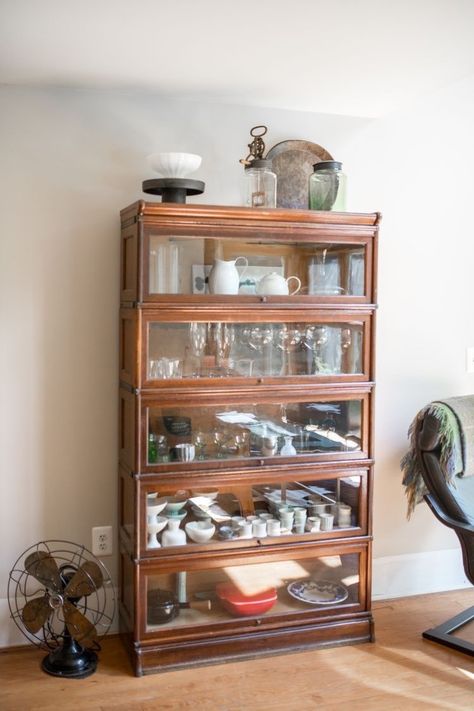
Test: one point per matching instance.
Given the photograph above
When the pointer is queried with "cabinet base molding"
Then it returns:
(162, 658)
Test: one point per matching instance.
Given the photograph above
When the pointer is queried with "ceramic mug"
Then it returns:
(185, 452)
(245, 529)
(273, 527)
(259, 528)
(327, 521)
(313, 524)
(344, 515)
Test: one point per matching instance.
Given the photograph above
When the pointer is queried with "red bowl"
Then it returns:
(244, 605)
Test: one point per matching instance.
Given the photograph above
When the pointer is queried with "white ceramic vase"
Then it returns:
(174, 535)
(288, 450)
(224, 277)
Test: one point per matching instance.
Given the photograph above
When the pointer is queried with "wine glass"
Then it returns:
(198, 338)
(198, 343)
(200, 444)
(260, 336)
(288, 339)
(315, 337)
(224, 337)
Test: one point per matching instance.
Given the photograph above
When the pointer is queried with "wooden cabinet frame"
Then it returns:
(204, 642)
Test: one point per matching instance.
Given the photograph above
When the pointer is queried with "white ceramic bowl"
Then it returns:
(155, 506)
(200, 531)
(207, 494)
(175, 504)
(174, 165)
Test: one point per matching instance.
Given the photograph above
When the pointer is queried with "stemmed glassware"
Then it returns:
(315, 337)
(197, 342)
(288, 339)
(224, 337)
(200, 444)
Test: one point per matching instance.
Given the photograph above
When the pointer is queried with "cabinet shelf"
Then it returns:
(246, 427)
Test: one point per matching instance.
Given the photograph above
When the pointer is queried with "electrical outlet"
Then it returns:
(102, 541)
(470, 359)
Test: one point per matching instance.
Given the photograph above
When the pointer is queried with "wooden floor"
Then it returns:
(400, 671)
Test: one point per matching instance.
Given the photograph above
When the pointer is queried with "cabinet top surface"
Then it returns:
(157, 210)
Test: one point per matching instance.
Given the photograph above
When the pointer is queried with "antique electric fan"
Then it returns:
(61, 597)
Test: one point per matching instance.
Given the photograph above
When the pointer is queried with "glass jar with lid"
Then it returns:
(327, 186)
(260, 184)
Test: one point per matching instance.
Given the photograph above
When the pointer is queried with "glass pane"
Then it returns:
(262, 590)
(181, 265)
(253, 430)
(195, 350)
(237, 512)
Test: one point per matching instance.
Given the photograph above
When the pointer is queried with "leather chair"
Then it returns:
(453, 505)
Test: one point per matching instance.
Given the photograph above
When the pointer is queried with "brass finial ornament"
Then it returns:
(256, 147)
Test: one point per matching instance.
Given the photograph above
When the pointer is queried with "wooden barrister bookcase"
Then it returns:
(246, 432)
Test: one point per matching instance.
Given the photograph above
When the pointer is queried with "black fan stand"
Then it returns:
(70, 660)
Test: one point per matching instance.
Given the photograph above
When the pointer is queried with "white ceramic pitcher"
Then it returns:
(224, 277)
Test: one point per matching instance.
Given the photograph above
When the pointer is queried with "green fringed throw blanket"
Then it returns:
(456, 418)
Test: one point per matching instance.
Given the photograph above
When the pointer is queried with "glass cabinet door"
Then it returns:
(246, 514)
(248, 266)
(287, 588)
(329, 347)
(245, 431)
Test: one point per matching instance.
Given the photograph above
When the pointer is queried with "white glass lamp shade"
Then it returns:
(174, 165)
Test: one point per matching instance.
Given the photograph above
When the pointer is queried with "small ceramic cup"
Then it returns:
(313, 524)
(287, 518)
(273, 527)
(318, 509)
(245, 529)
(344, 515)
(251, 518)
(185, 452)
(259, 528)
(327, 521)
(300, 513)
(266, 516)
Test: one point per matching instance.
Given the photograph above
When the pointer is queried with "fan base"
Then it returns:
(70, 665)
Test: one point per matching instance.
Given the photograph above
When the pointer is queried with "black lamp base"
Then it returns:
(173, 189)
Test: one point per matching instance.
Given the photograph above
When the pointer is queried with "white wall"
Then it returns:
(70, 160)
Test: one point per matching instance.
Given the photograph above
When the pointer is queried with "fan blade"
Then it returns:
(79, 626)
(43, 567)
(35, 613)
(85, 580)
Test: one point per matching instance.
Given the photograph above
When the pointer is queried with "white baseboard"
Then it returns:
(417, 574)
(393, 576)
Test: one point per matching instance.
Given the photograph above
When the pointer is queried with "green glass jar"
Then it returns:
(327, 187)
(152, 449)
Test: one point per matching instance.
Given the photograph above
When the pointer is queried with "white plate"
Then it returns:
(318, 592)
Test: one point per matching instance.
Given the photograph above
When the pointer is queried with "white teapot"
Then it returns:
(274, 284)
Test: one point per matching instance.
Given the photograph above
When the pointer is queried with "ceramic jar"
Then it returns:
(224, 277)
